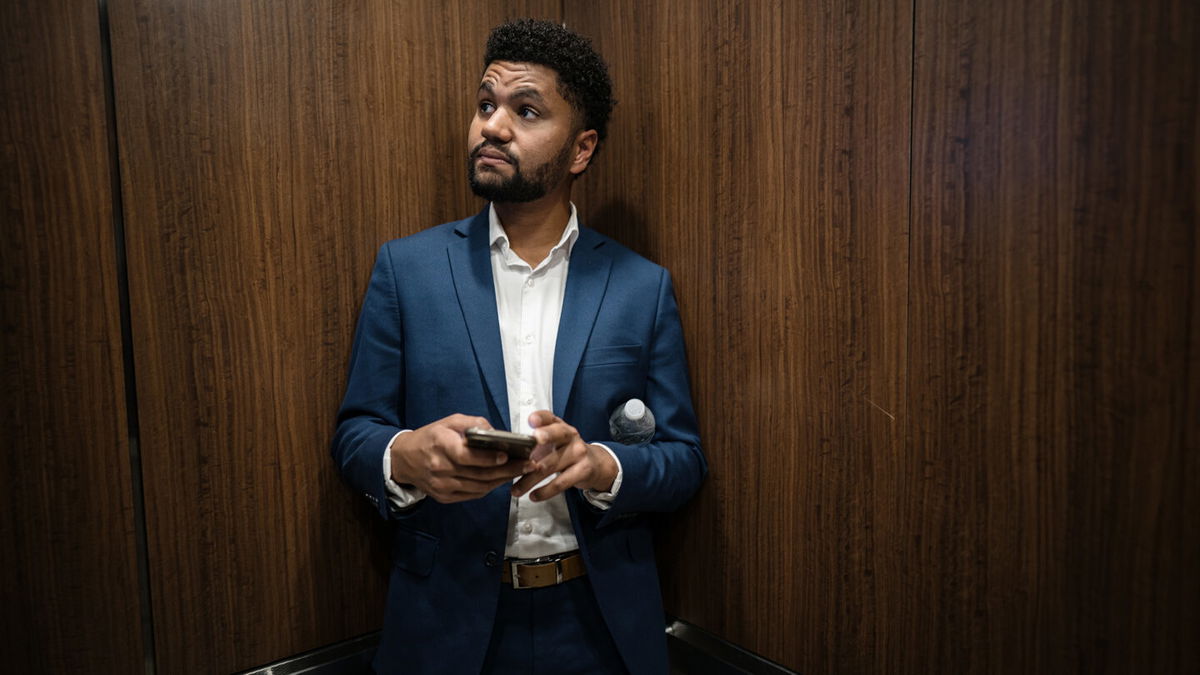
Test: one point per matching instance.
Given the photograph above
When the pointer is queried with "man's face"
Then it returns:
(523, 137)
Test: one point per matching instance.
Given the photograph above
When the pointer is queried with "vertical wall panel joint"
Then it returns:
(131, 405)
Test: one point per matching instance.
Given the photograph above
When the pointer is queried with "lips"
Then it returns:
(492, 156)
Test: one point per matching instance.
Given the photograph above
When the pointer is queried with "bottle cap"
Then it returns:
(635, 409)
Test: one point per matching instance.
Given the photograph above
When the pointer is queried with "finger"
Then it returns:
(506, 472)
(541, 418)
(575, 475)
(454, 448)
(464, 455)
(556, 433)
(448, 486)
(567, 460)
(554, 462)
(461, 423)
(551, 438)
(531, 479)
(446, 440)
(541, 452)
(453, 497)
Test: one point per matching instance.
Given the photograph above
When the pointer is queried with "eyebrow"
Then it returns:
(530, 93)
(524, 92)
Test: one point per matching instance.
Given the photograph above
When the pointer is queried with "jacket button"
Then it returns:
(491, 559)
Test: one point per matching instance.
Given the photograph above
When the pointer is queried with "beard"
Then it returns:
(519, 187)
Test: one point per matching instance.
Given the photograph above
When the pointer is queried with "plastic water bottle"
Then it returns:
(632, 423)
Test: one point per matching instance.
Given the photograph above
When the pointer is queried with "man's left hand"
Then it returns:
(561, 450)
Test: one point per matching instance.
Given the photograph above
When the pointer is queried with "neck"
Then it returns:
(533, 228)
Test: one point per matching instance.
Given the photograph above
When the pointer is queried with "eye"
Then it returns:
(486, 107)
(529, 113)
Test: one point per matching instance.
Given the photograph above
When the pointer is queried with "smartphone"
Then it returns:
(516, 445)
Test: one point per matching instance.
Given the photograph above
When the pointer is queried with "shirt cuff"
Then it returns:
(604, 500)
(402, 496)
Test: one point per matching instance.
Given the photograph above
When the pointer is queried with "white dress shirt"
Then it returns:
(529, 305)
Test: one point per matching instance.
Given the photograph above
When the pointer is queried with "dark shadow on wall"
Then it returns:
(622, 222)
(343, 516)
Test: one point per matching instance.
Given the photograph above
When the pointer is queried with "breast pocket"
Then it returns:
(608, 376)
(616, 355)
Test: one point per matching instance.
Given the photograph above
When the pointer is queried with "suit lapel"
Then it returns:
(471, 267)
(587, 280)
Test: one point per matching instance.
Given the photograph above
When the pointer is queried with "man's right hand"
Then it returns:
(436, 460)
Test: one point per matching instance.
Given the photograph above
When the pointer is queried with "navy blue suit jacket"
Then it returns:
(427, 346)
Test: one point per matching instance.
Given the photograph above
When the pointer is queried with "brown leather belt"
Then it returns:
(542, 572)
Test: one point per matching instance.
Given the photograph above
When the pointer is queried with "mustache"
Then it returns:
(507, 155)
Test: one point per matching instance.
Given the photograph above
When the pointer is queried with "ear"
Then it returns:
(584, 147)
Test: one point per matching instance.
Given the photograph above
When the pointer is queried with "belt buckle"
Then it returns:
(514, 566)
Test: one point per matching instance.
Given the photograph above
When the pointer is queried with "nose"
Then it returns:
(498, 128)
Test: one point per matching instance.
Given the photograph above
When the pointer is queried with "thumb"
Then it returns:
(461, 423)
(541, 418)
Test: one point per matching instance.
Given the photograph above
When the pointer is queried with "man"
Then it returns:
(520, 319)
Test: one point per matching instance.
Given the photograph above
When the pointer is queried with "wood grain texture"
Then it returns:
(759, 151)
(1015, 494)
(1054, 262)
(69, 589)
(268, 150)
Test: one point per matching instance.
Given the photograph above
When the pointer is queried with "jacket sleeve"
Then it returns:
(370, 414)
(665, 473)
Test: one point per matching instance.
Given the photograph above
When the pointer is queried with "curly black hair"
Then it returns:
(582, 75)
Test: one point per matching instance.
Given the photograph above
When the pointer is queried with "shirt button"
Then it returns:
(529, 401)
(491, 558)
(529, 339)
(527, 528)
(529, 283)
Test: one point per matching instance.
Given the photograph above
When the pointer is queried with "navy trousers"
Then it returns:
(556, 630)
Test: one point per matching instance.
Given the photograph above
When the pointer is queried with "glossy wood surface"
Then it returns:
(760, 152)
(937, 265)
(1054, 270)
(68, 571)
(953, 431)
(269, 149)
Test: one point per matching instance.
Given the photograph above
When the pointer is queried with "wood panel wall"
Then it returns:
(937, 265)
(951, 429)
(68, 568)
(760, 152)
(1054, 276)
(268, 150)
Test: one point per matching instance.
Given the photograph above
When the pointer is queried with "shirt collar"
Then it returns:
(499, 238)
